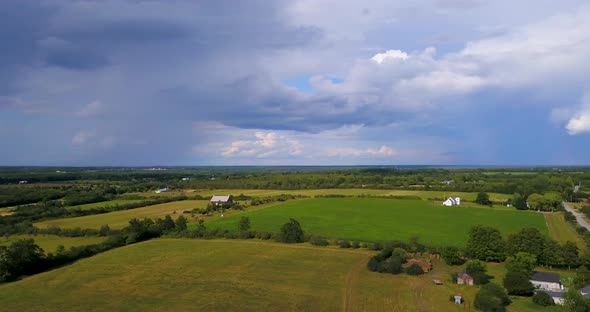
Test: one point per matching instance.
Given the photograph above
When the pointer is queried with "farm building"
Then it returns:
(452, 201)
(23, 182)
(463, 278)
(220, 200)
(547, 281)
(162, 190)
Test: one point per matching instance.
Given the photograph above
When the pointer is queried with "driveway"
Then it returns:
(578, 215)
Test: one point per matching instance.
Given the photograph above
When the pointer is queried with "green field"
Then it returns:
(236, 275)
(372, 219)
(561, 231)
(49, 243)
(110, 203)
(120, 219)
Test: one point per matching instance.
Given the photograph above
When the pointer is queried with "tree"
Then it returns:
(573, 301)
(244, 224)
(517, 283)
(528, 240)
(483, 199)
(105, 230)
(485, 243)
(181, 224)
(569, 252)
(521, 262)
(478, 270)
(519, 202)
(582, 278)
(543, 299)
(536, 201)
(291, 232)
(491, 298)
(22, 257)
(551, 255)
(452, 256)
(414, 269)
(167, 224)
(393, 265)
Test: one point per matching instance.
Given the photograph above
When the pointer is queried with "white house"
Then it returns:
(23, 182)
(452, 201)
(547, 281)
(163, 190)
(557, 296)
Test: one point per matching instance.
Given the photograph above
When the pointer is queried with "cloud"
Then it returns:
(383, 151)
(579, 122)
(390, 55)
(90, 110)
(266, 144)
(82, 137)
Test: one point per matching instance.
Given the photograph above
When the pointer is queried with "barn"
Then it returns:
(220, 200)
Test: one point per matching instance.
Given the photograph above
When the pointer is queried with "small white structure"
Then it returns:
(186, 179)
(452, 201)
(557, 296)
(458, 300)
(219, 200)
(448, 182)
(547, 281)
(23, 182)
(163, 190)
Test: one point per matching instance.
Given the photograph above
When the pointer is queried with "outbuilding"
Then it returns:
(463, 278)
(452, 201)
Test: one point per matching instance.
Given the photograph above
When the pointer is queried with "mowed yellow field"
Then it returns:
(120, 219)
(235, 275)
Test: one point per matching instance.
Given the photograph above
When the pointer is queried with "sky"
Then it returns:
(301, 82)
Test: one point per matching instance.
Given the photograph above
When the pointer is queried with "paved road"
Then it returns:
(578, 215)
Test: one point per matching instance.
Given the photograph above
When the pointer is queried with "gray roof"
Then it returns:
(546, 277)
(585, 291)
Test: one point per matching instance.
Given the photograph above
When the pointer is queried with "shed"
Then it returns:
(463, 278)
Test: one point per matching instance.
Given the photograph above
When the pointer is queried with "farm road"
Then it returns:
(578, 216)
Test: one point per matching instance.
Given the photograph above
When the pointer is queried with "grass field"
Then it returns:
(561, 231)
(110, 203)
(49, 243)
(120, 219)
(371, 219)
(236, 275)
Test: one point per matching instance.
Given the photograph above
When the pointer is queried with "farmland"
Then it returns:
(227, 275)
(49, 243)
(373, 219)
(120, 219)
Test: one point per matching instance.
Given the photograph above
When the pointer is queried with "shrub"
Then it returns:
(318, 241)
(355, 245)
(543, 299)
(291, 232)
(344, 244)
(414, 269)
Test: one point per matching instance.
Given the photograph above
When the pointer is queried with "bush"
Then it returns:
(355, 245)
(291, 232)
(414, 269)
(543, 299)
(318, 241)
(344, 244)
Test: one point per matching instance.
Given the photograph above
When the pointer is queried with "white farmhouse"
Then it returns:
(452, 201)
